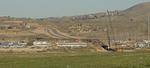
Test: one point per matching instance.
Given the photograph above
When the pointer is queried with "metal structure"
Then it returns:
(148, 32)
(110, 30)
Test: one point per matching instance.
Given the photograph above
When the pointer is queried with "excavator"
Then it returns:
(106, 47)
(101, 44)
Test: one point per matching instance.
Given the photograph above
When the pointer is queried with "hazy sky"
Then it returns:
(50, 8)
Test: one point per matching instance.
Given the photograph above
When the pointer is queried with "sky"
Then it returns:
(58, 8)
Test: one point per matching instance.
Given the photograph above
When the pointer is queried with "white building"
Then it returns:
(80, 44)
(41, 43)
(142, 44)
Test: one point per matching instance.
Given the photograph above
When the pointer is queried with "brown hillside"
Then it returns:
(142, 9)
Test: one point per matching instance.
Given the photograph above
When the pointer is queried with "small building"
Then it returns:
(11, 45)
(41, 43)
(5, 44)
(141, 45)
(75, 44)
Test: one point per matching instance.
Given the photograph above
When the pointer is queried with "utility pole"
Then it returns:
(110, 29)
(148, 28)
(108, 36)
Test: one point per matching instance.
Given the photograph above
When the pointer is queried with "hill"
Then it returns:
(142, 9)
(128, 23)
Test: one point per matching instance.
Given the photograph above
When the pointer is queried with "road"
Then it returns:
(55, 33)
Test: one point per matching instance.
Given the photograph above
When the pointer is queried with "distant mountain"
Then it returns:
(142, 9)
(84, 17)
